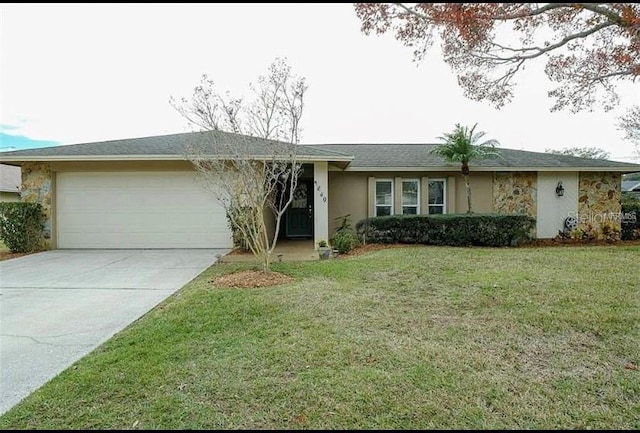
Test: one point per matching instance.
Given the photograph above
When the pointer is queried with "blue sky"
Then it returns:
(76, 73)
(9, 141)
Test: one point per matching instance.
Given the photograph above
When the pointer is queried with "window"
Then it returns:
(410, 197)
(384, 197)
(437, 196)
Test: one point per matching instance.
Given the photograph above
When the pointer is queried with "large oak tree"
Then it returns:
(588, 47)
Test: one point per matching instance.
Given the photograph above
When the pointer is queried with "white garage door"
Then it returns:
(138, 210)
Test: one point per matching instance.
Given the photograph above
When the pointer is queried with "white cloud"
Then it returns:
(78, 73)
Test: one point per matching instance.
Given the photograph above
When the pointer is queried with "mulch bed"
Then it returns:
(239, 252)
(368, 248)
(536, 243)
(255, 279)
(252, 279)
(6, 255)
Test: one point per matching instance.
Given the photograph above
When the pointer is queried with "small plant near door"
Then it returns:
(324, 251)
(345, 238)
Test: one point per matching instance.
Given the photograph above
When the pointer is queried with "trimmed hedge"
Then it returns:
(630, 222)
(494, 230)
(21, 226)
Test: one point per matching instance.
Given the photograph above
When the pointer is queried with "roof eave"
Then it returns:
(51, 158)
(490, 169)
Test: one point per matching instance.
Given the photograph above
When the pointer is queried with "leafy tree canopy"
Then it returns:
(588, 47)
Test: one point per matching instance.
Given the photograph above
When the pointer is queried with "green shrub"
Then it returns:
(451, 229)
(344, 241)
(240, 214)
(21, 226)
(630, 222)
(345, 238)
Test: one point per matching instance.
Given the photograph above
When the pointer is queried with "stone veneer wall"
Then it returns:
(37, 187)
(515, 192)
(598, 199)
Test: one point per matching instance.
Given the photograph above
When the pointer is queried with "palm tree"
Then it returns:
(463, 145)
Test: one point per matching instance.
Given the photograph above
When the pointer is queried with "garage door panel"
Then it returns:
(136, 199)
(138, 210)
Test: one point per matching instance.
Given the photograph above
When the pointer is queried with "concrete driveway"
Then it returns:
(57, 306)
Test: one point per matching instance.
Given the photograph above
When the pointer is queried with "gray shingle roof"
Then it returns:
(10, 178)
(385, 156)
(167, 145)
(417, 155)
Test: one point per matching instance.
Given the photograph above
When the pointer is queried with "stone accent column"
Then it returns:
(598, 200)
(515, 192)
(37, 187)
(320, 202)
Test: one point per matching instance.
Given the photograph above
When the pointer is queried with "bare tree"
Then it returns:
(209, 110)
(249, 177)
(274, 110)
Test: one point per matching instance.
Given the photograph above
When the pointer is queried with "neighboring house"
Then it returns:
(143, 193)
(10, 181)
(631, 187)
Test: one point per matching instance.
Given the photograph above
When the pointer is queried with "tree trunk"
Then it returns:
(266, 265)
(468, 185)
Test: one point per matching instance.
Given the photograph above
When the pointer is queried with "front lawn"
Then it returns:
(407, 338)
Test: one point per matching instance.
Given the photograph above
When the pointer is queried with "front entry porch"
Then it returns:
(287, 250)
(308, 215)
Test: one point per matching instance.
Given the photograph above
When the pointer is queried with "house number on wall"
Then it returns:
(324, 197)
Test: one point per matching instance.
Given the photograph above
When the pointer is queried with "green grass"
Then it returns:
(410, 338)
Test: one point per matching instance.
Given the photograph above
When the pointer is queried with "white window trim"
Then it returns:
(417, 206)
(444, 194)
(376, 196)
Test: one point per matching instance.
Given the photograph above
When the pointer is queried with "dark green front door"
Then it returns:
(299, 216)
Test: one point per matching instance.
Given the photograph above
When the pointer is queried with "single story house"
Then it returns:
(144, 193)
(10, 181)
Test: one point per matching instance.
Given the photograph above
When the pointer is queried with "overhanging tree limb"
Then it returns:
(588, 46)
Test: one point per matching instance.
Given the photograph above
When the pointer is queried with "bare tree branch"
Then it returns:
(630, 125)
(250, 178)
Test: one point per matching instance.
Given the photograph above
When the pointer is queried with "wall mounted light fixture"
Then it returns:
(559, 189)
